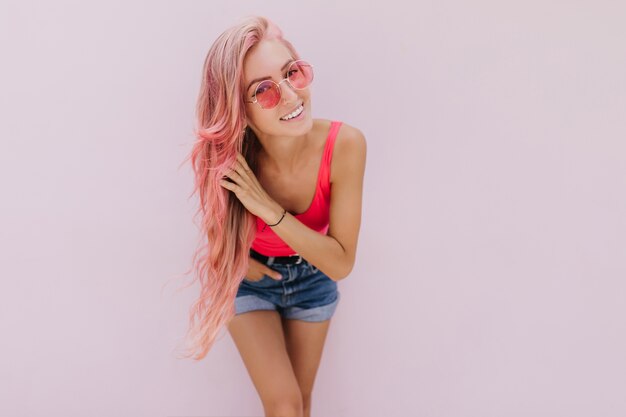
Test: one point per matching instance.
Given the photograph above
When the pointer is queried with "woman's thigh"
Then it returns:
(260, 339)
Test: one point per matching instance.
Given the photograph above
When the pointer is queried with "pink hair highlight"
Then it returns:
(221, 263)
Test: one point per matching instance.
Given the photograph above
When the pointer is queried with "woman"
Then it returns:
(280, 193)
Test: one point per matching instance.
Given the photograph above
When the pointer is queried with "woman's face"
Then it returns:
(267, 59)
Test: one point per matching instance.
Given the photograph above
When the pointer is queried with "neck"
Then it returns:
(282, 153)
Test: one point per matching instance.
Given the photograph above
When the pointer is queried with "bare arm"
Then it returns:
(334, 253)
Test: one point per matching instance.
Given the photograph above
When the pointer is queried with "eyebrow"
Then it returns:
(268, 78)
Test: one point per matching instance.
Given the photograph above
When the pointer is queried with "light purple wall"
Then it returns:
(491, 264)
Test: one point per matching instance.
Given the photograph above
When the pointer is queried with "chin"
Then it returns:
(302, 128)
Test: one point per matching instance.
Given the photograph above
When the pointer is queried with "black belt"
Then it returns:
(284, 260)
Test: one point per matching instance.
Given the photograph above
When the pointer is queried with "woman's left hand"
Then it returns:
(248, 189)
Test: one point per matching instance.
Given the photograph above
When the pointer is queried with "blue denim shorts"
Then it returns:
(304, 293)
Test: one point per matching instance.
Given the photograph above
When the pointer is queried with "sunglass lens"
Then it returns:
(267, 94)
(300, 74)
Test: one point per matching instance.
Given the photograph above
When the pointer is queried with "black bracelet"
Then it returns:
(281, 219)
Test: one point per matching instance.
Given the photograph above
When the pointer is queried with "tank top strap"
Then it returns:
(328, 156)
(330, 142)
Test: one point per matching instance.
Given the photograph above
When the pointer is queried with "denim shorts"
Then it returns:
(303, 293)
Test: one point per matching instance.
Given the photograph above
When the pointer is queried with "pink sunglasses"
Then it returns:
(267, 93)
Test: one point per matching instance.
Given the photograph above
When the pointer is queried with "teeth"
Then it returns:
(295, 113)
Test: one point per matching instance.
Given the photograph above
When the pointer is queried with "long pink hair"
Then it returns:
(221, 263)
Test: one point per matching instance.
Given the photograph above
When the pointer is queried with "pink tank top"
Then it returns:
(316, 217)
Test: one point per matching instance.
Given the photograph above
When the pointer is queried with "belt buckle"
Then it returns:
(299, 261)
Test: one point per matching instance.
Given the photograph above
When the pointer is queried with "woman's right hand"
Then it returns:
(257, 269)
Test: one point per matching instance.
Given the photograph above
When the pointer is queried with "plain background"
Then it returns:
(491, 262)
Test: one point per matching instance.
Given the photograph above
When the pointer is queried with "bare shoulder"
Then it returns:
(349, 153)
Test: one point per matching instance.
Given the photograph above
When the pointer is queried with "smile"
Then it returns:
(297, 112)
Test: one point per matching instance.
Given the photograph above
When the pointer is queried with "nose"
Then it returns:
(287, 93)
